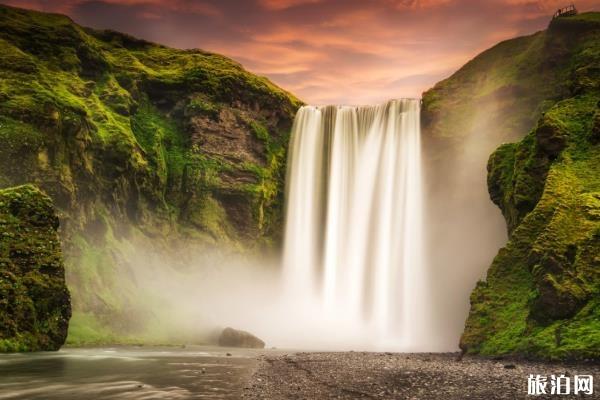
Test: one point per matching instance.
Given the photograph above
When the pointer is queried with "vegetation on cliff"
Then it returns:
(133, 140)
(502, 92)
(496, 98)
(34, 301)
(541, 297)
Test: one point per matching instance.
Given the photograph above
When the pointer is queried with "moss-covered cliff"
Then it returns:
(503, 91)
(34, 301)
(498, 97)
(495, 98)
(541, 297)
(135, 140)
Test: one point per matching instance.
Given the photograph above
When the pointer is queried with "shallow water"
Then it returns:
(196, 372)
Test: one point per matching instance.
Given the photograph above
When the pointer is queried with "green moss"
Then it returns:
(162, 141)
(260, 131)
(34, 301)
(85, 329)
(210, 217)
(540, 298)
(202, 107)
(131, 138)
(540, 288)
(511, 84)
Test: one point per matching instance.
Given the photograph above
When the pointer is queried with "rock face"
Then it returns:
(541, 297)
(134, 140)
(34, 301)
(498, 97)
(235, 338)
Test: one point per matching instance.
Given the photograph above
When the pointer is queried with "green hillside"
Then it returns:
(541, 295)
(137, 143)
(503, 91)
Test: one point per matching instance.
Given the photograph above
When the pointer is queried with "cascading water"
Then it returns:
(353, 240)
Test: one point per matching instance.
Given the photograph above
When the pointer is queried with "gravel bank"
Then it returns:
(358, 375)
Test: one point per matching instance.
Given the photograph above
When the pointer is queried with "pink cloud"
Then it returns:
(327, 51)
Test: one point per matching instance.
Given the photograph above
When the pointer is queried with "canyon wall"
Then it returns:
(138, 145)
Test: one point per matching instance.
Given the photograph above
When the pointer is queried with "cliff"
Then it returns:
(134, 141)
(502, 92)
(541, 295)
(141, 145)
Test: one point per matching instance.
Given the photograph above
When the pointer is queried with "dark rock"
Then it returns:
(559, 296)
(235, 338)
(551, 136)
(595, 137)
(556, 300)
(517, 191)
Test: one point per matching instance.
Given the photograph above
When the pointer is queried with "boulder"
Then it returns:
(235, 338)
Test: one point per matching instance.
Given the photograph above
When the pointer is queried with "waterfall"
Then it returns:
(353, 219)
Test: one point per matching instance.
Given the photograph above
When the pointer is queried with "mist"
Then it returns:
(188, 293)
(464, 229)
(190, 296)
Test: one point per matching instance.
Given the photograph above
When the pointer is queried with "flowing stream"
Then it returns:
(353, 238)
(128, 373)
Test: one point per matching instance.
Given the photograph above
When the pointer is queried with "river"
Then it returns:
(193, 372)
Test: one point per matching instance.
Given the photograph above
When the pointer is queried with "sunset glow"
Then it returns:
(326, 51)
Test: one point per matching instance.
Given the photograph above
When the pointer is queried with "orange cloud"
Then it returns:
(283, 4)
(327, 51)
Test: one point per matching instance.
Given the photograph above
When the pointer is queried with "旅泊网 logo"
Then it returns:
(560, 385)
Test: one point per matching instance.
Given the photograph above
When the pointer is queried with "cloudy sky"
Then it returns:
(326, 51)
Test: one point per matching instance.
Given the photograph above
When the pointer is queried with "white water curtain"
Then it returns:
(353, 238)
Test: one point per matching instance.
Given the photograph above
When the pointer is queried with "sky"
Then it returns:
(326, 51)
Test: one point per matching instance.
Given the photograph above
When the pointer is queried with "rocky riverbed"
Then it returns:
(358, 375)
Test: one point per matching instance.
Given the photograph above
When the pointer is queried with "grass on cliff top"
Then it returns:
(98, 51)
(51, 65)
